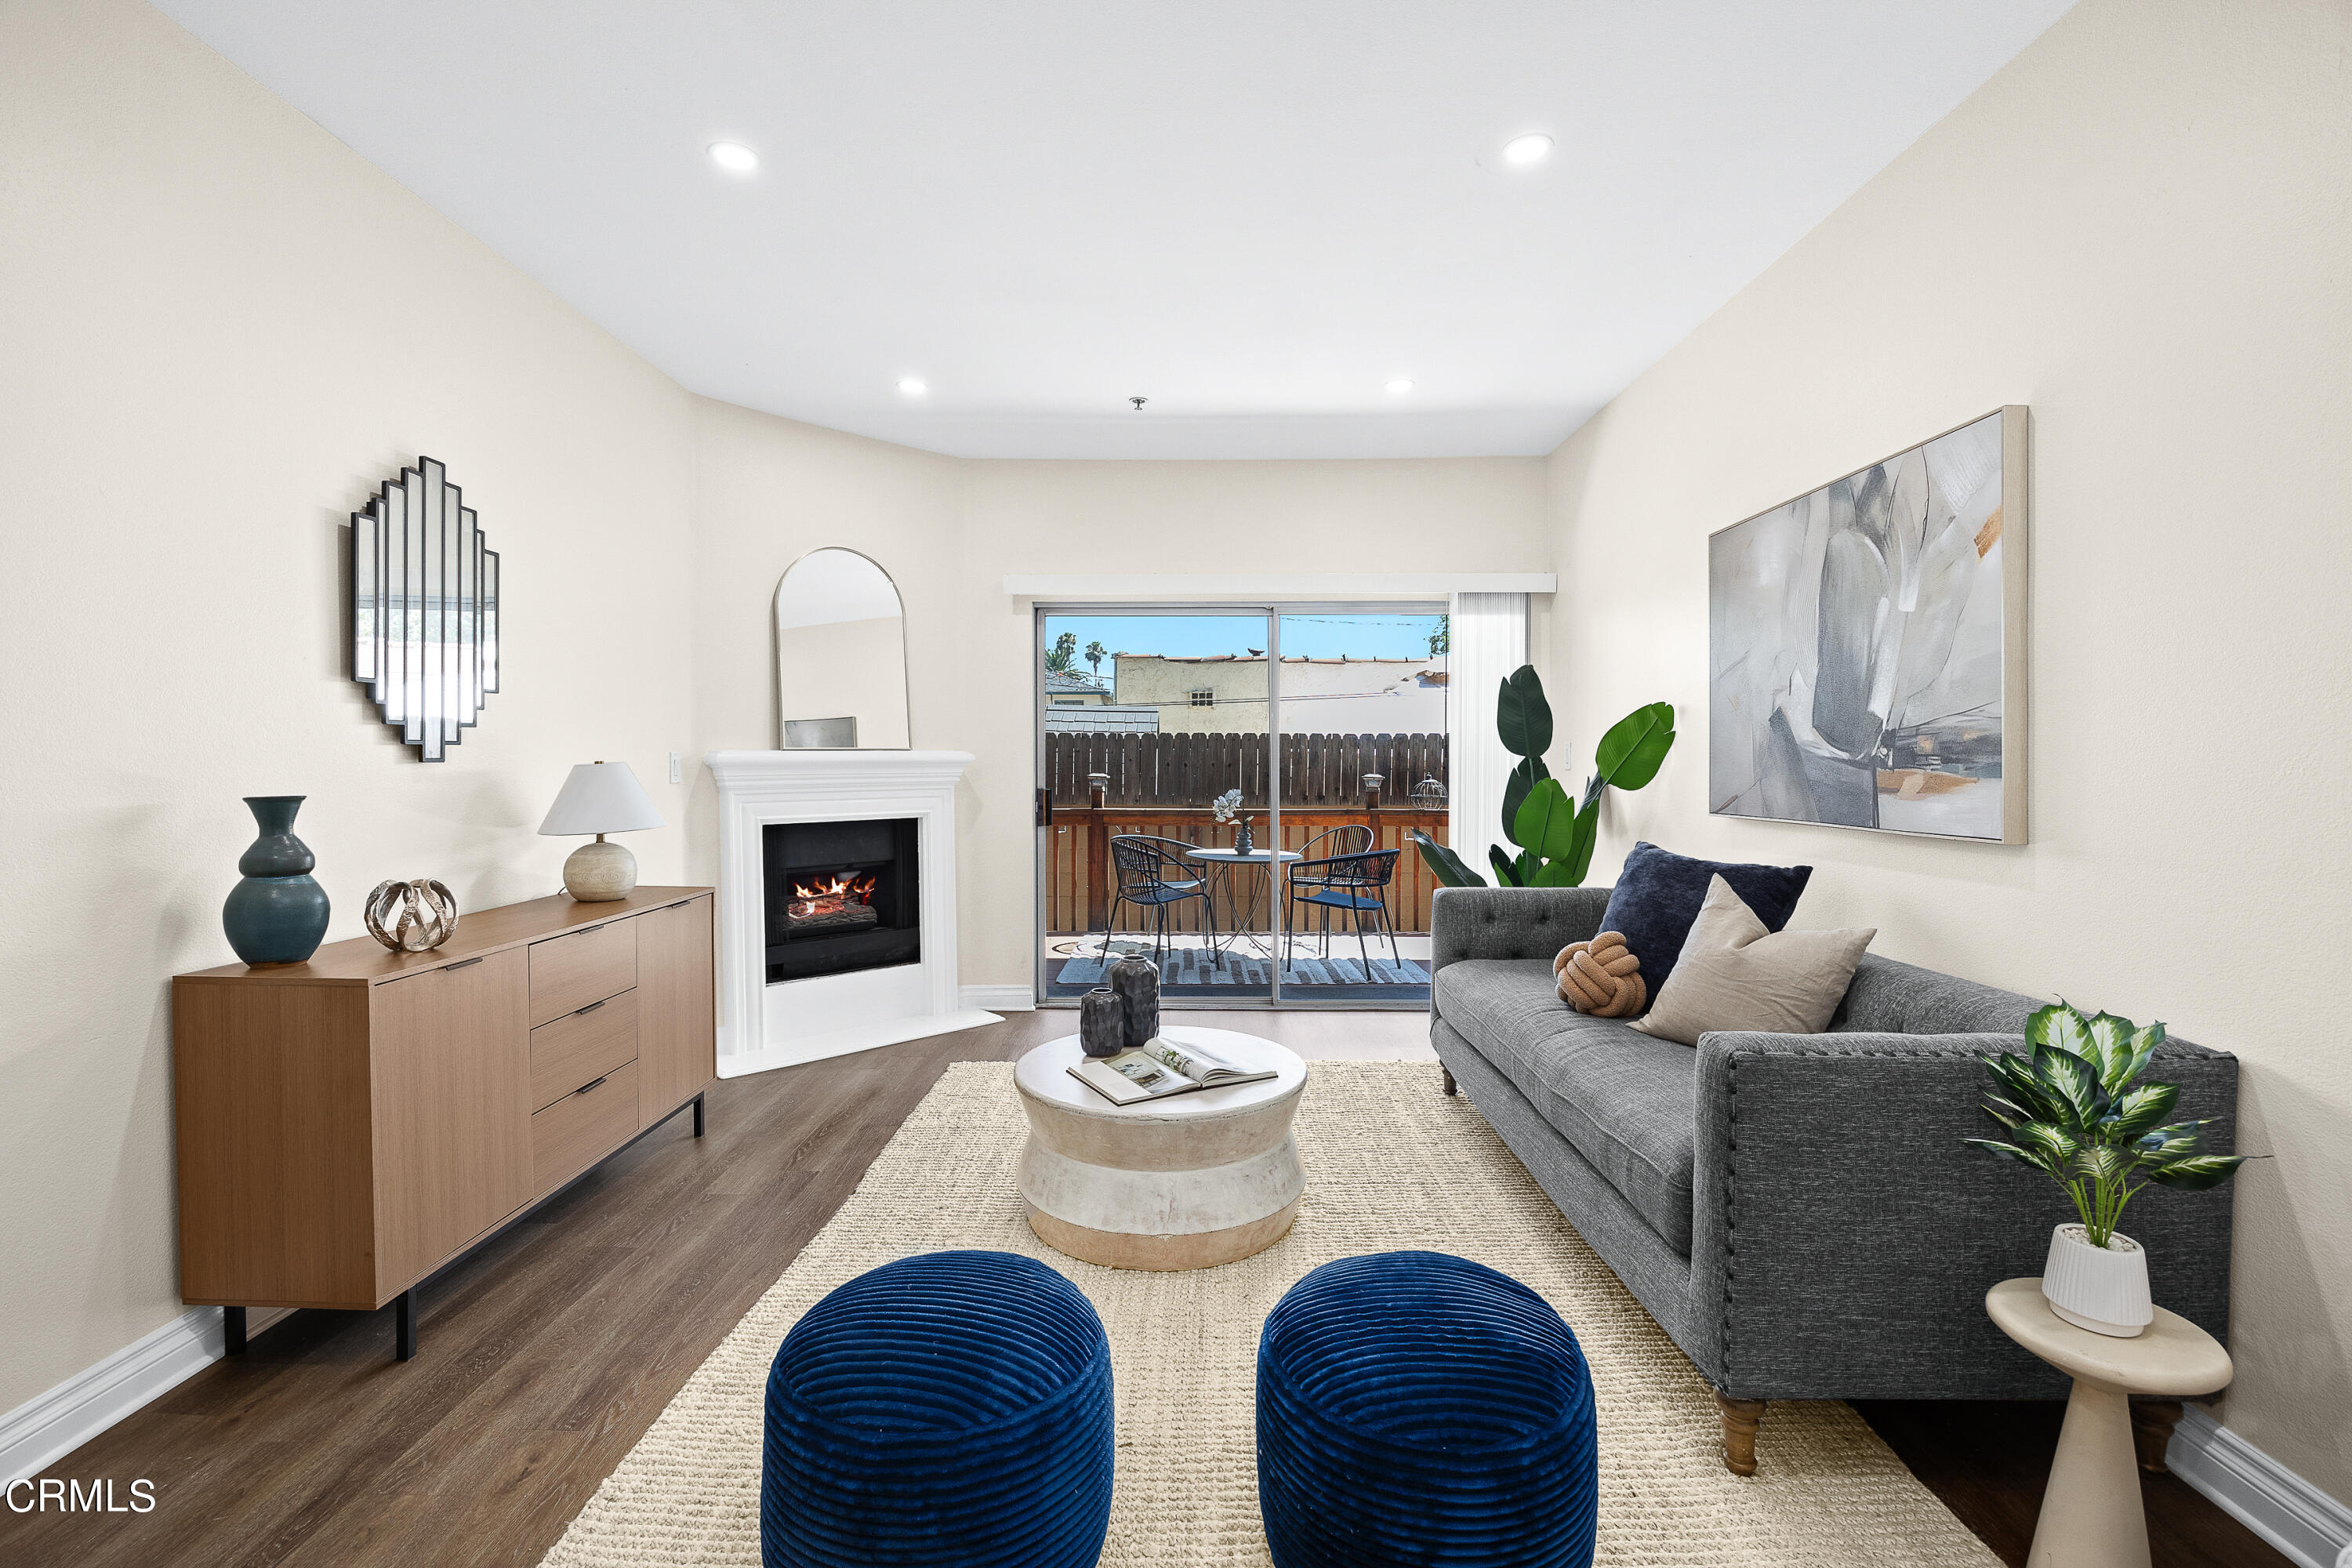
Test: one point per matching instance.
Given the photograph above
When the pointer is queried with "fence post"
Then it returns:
(1099, 854)
(1372, 806)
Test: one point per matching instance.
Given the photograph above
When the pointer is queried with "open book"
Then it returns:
(1158, 1068)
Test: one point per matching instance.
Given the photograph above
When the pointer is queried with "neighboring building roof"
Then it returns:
(1127, 720)
(1260, 659)
(1062, 680)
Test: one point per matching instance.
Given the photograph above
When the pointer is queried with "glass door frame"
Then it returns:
(1274, 613)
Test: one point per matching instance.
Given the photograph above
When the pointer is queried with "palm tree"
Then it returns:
(1064, 653)
(1094, 655)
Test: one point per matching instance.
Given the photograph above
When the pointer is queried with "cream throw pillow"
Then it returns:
(1735, 974)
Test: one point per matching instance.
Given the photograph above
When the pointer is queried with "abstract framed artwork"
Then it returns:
(1866, 646)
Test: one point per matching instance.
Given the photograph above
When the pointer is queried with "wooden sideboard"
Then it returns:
(350, 1124)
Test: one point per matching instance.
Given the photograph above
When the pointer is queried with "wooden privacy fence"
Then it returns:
(1080, 879)
(1164, 769)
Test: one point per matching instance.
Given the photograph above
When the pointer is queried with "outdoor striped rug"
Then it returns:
(1190, 968)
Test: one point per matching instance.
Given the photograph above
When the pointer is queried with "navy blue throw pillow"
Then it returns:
(1658, 895)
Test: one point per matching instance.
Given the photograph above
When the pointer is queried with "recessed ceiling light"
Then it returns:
(734, 157)
(1521, 151)
(912, 387)
(1401, 384)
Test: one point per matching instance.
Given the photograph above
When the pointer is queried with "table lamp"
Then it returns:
(599, 798)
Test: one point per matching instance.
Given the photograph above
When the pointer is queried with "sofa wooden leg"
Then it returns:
(1740, 1417)
(2152, 1423)
(1449, 1080)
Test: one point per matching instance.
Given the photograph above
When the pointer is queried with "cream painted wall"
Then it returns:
(2139, 227)
(222, 329)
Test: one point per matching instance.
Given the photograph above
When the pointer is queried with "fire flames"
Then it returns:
(832, 895)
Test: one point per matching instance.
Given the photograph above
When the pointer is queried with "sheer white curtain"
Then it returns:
(1489, 641)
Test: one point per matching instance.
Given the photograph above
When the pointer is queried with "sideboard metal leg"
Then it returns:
(697, 1116)
(404, 1325)
(233, 1329)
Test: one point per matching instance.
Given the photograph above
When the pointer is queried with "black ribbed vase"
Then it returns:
(1417, 1407)
(948, 1409)
(1135, 981)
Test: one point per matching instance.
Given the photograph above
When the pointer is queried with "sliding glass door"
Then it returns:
(1154, 728)
(1232, 791)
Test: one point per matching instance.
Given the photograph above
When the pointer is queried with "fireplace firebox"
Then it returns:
(841, 897)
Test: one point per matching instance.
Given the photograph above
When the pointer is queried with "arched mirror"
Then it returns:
(841, 656)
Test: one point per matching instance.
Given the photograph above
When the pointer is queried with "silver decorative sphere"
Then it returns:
(412, 917)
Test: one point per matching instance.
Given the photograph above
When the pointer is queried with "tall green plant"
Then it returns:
(2074, 1113)
(1553, 832)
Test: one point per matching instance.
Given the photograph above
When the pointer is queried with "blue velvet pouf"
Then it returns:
(1419, 1409)
(950, 1408)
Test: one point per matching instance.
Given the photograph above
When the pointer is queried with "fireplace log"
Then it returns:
(848, 917)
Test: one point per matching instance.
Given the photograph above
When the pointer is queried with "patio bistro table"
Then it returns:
(1220, 864)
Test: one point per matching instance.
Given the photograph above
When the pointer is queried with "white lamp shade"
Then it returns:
(601, 798)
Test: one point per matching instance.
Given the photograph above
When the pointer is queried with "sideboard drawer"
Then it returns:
(582, 1128)
(581, 1045)
(567, 972)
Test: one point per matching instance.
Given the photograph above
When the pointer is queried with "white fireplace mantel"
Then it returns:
(764, 1025)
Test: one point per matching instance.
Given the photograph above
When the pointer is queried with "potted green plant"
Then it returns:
(1554, 831)
(2075, 1111)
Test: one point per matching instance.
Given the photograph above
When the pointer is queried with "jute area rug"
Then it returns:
(1391, 1162)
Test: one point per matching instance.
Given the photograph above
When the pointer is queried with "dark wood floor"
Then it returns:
(545, 1357)
(1988, 1459)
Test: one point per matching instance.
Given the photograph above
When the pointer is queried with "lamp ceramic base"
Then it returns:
(599, 872)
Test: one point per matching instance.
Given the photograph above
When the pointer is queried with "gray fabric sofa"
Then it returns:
(1797, 1211)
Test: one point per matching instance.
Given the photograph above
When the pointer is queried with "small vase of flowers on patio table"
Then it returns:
(1227, 808)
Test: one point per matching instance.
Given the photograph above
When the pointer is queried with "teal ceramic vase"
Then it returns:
(277, 914)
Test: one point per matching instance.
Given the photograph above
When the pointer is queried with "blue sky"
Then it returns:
(1316, 635)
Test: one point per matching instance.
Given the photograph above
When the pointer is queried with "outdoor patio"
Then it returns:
(1340, 794)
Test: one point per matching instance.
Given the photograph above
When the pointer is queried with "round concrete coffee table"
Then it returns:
(2092, 1516)
(1188, 1182)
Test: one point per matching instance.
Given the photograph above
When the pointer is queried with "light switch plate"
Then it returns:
(676, 774)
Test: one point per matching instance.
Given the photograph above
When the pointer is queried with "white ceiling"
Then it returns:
(1252, 214)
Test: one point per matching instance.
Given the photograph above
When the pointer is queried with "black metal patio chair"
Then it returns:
(1154, 876)
(1355, 885)
(1348, 838)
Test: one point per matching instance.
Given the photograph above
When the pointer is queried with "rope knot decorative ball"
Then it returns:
(1416, 1407)
(953, 1408)
(1601, 977)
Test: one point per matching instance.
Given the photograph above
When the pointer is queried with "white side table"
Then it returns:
(1188, 1182)
(2091, 1512)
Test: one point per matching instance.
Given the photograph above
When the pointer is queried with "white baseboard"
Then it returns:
(47, 1426)
(847, 1042)
(2306, 1524)
(999, 998)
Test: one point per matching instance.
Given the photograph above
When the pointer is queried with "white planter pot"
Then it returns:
(2104, 1289)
